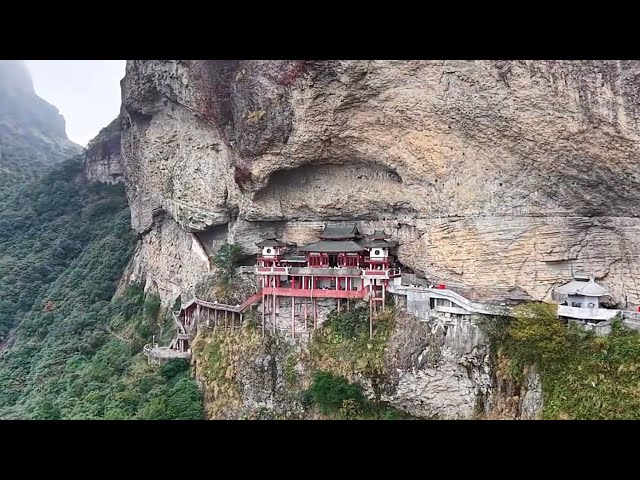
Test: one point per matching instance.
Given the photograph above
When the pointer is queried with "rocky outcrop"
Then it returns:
(440, 368)
(165, 262)
(489, 173)
(102, 159)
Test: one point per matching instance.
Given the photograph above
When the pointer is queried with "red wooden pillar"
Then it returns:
(293, 317)
(383, 295)
(371, 317)
(274, 313)
(263, 302)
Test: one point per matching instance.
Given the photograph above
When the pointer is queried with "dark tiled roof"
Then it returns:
(340, 232)
(332, 246)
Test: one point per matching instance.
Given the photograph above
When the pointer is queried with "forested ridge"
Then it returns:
(69, 348)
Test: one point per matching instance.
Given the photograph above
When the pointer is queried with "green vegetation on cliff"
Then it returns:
(342, 352)
(49, 228)
(583, 376)
(70, 348)
(343, 345)
(226, 260)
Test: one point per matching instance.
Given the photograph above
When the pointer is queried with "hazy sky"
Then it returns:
(86, 92)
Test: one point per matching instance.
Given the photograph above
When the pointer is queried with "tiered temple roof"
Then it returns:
(581, 287)
(339, 238)
(348, 231)
(332, 246)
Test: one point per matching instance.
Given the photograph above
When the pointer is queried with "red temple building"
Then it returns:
(297, 282)
(340, 265)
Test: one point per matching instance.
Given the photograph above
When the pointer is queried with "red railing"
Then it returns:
(314, 293)
(249, 301)
(280, 270)
(381, 273)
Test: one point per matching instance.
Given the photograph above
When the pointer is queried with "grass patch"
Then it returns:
(343, 345)
(583, 376)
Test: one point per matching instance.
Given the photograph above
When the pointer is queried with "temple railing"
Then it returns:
(146, 350)
(314, 293)
(587, 313)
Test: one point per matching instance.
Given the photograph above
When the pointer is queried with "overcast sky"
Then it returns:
(86, 92)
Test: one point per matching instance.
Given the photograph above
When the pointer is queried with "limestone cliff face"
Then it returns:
(102, 159)
(489, 173)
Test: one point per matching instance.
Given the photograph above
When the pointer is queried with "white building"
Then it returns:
(582, 300)
(583, 294)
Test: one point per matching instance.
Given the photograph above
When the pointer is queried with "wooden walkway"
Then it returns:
(187, 319)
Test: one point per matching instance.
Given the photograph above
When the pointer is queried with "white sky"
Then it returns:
(86, 92)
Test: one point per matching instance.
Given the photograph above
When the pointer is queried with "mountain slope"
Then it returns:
(32, 132)
(67, 348)
(70, 347)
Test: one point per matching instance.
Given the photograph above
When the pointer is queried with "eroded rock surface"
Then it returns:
(490, 173)
(103, 159)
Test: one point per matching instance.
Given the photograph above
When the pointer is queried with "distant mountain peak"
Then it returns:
(32, 131)
(15, 78)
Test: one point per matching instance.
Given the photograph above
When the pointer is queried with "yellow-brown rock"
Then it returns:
(489, 173)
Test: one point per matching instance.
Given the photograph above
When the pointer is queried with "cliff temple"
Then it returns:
(340, 265)
(299, 285)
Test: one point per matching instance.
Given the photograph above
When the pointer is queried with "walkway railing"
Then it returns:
(452, 296)
(146, 350)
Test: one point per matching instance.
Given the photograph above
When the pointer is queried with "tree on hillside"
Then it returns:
(227, 259)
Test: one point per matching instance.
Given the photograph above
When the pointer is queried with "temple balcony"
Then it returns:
(272, 258)
(314, 293)
(273, 270)
(326, 271)
(599, 314)
(376, 261)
